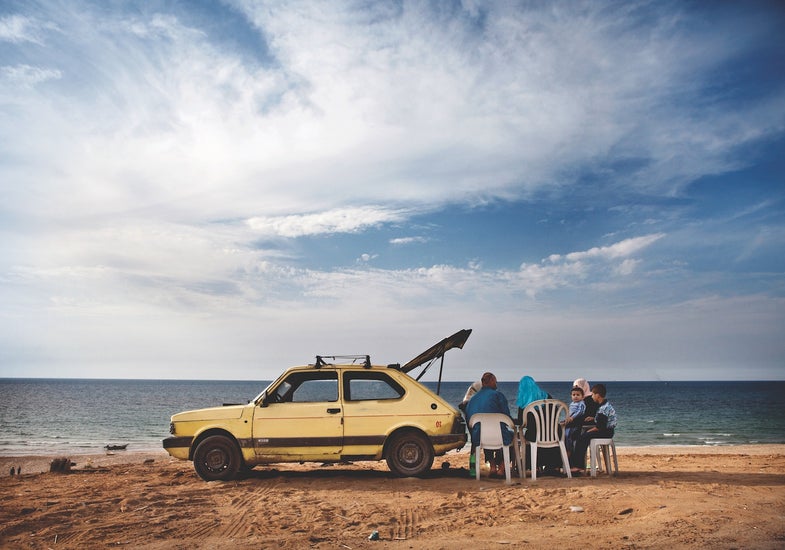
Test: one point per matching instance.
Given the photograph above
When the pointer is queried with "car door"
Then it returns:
(373, 403)
(300, 419)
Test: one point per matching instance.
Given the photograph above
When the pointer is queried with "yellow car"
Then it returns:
(326, 412)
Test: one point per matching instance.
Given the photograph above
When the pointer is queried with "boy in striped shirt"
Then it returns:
(604, 427)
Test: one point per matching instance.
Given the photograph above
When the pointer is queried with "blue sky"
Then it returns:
(224, 189)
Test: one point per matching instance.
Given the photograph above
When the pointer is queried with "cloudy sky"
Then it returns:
(219, 190)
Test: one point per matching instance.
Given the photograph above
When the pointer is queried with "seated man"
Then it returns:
(490, 400)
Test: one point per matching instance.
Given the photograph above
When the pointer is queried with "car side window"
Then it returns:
(364, 386)
(309, 387)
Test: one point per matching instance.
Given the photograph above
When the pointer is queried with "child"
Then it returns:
(605, 421)
(577, 410)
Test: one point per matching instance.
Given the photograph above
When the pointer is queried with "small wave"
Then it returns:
(712, 437)
(671, 435)
(21, 433)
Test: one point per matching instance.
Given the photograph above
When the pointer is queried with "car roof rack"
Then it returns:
(366, 359)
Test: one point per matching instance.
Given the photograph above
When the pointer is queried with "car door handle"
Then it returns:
(333, 411)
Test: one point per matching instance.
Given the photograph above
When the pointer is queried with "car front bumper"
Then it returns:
(178, 447)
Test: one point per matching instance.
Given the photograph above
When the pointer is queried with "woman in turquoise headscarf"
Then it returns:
(548, 460)
(528, 392)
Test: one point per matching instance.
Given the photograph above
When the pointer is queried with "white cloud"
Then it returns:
(25, 75)
(627, 267)
(17, 29)
(402, 241)
(427, 110)
(341, 220)
(620, 249)
(366, 257)
(255, 337)
(558, 270)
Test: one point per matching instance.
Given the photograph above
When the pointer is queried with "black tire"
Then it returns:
(409, 454)
(217, 458)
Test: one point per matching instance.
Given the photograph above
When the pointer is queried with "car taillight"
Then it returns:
(459, 425)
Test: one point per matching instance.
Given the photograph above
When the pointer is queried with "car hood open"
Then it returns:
(457, 340)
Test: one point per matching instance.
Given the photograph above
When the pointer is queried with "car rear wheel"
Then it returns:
(409, 454)
(217, 458)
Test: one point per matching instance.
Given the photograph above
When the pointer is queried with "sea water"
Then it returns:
(54, 416)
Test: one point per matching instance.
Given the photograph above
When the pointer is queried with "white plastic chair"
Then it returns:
(491, 438)
(547, 414)
(607, 447)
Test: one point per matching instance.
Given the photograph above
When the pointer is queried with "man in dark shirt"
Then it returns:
(490, 400)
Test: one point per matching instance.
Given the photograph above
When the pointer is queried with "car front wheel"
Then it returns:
(217, 458)
(409, 454)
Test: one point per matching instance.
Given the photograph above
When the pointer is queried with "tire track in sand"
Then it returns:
(239, 510)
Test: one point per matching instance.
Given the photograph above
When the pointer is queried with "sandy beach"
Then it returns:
(663, 497)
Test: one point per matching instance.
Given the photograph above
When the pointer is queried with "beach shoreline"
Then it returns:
(687, 497)
(41, 463)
